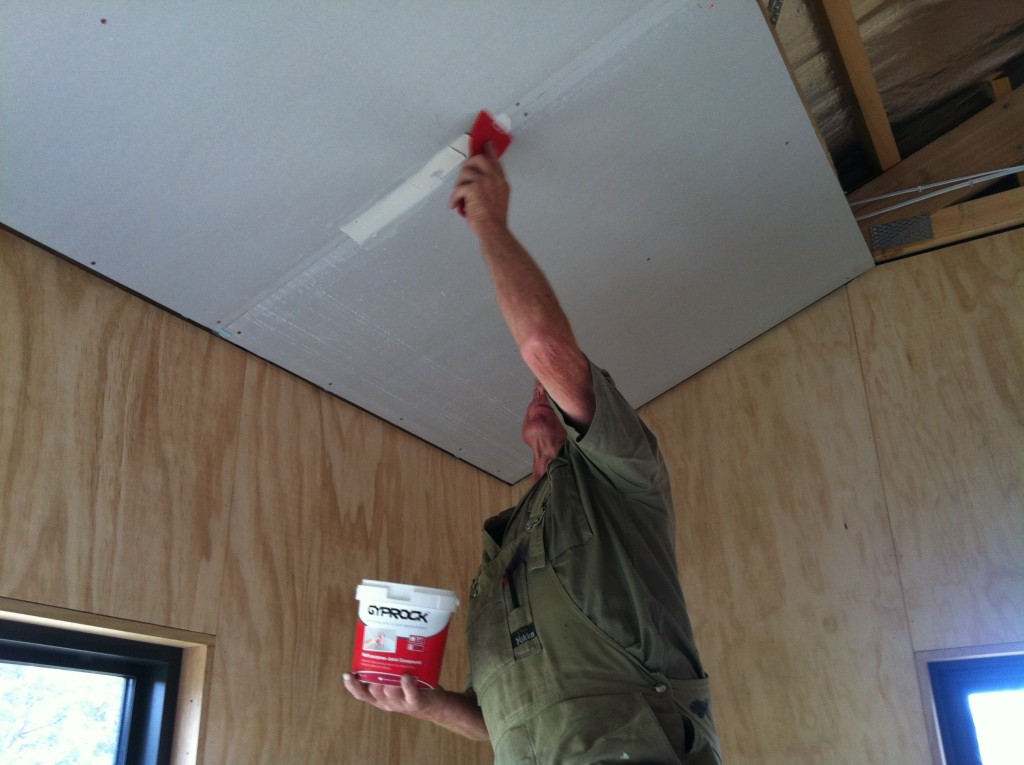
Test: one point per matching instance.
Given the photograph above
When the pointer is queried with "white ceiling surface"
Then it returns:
(208, 155)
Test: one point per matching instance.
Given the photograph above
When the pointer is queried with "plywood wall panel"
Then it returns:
(143, 463)
(407, 512)
(786, 555)
(327, 495)
(942, 343)
(117, 437)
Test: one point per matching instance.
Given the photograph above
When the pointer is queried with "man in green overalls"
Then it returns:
(581, 650)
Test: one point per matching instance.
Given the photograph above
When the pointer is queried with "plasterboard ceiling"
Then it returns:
(212, 156)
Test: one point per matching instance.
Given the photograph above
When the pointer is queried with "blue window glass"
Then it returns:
(979, 705)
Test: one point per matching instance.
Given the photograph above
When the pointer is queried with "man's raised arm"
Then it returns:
(539, 326)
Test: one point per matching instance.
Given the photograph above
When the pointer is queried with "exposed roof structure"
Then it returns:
(915, 94)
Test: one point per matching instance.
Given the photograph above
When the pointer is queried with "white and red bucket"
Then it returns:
(402, 630)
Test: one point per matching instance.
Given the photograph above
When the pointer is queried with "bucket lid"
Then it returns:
(424, 597)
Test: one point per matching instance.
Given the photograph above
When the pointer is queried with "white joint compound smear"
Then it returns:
(418, 187)
(414, 190)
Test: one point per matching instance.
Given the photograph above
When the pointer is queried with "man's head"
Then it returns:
(542, 430)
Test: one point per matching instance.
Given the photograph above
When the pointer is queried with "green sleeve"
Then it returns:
(617, 443)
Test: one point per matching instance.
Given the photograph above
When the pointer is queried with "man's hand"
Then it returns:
(482, 190)
(406, 698)
(458, 712)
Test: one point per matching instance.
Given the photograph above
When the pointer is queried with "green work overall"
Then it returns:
(553, 686)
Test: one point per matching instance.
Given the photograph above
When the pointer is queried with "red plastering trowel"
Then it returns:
(485, 129)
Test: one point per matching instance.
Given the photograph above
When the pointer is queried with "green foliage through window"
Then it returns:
(59, 716)
(84, 699)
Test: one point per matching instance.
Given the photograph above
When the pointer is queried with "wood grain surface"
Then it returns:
(848, 485)
(118, 437)
(941, 339)
(325, 496)
(785, 552)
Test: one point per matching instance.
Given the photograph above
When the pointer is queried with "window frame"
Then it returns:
(947, 678)
(146, 731)
(197, 650)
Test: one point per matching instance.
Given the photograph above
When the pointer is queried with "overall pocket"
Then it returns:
(569, 523)
(490, 650)
(595, 729)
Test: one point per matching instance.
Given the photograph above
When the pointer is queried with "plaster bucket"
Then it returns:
(402, 630)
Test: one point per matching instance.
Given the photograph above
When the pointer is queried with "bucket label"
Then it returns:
(398, 639)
